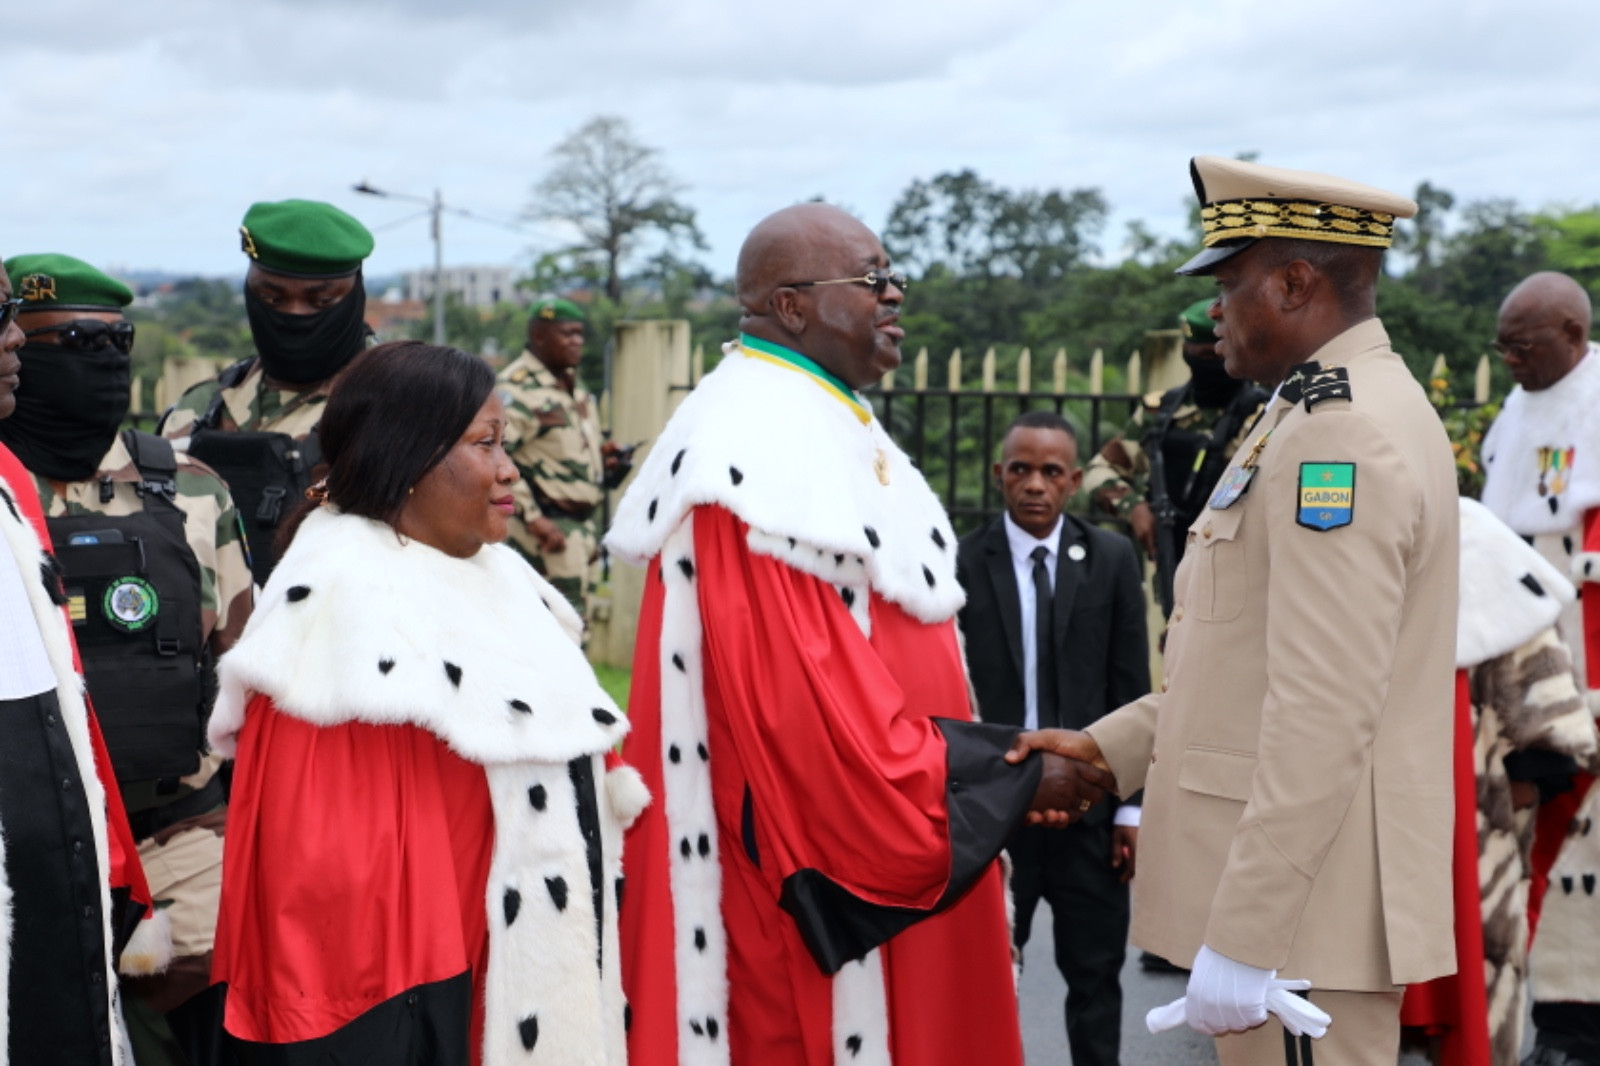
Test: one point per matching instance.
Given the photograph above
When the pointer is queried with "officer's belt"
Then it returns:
(146, 824)
(579, 511)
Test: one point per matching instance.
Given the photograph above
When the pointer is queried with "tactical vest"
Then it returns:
(267, 473)
(1192, 476)
(133, 590)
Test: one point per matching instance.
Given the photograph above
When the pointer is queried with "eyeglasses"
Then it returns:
(9, 309)
(90, 335)
(1520, 349)
(877, 280)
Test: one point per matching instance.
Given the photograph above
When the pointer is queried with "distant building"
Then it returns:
(474, 286)
(390, 317)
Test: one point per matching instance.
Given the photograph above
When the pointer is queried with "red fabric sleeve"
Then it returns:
(845, 778)
(356, 867)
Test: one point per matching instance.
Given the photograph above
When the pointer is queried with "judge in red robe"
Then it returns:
(817, 881)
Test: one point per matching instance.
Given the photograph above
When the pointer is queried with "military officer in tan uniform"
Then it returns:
(1297, 772)
(256, 422)
(553, 436)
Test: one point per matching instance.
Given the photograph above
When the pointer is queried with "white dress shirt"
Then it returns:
(1022, 545)
(25, 668)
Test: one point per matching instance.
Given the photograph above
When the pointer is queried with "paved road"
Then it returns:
(1043, 1027)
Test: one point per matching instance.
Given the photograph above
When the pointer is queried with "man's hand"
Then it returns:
(1124, 850)
(1067, 789)
(551, 540)
(1143, 521)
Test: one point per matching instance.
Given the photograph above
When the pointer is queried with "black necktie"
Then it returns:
(1044, 638)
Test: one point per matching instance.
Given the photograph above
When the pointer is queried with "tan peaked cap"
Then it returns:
(1242, 202)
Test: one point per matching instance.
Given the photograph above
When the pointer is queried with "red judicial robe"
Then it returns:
(816, 883)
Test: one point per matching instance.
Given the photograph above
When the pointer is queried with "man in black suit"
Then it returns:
(1085, 654)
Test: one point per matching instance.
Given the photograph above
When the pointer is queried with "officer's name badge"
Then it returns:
(1231, 486)
(1327, 495)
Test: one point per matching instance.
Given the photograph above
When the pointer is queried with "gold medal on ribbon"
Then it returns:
(880, 466)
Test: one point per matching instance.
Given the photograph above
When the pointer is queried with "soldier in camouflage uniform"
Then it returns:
(553, 436)
(256, 422)
(77, 385)
(1198, 426)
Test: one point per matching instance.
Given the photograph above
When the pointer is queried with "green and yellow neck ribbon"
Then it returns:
(777, 354)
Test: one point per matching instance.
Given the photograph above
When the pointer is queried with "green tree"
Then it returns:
(616, 194)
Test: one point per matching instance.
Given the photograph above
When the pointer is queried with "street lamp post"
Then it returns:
(436, 213)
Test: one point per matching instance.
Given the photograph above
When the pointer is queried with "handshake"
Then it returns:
(1075, 776)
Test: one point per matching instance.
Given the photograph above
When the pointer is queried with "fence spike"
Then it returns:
(1025, 371)
(1097, 373)
(1441, 369)
(1480, 381)
(988, 370)
(919, 371)
(955, 371)
(887, 384)
(697, 364)
(1135, 372)
(1059, 371)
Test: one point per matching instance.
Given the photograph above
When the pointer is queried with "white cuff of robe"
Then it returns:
(1127, 814)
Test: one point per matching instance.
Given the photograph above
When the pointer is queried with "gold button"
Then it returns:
(1152, 758)
(1206, 532)
(1177, 613)
(1164, 685)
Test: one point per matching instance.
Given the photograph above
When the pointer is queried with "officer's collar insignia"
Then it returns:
(130, 603)
(37, 287)
(1293, 386)
(1327, 495)
(1330, 384)
(1233, 484)
(248, 243)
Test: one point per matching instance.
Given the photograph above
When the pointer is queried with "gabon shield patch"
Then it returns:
(1327, 495)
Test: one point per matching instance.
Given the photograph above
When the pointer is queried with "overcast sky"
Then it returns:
(136, 134)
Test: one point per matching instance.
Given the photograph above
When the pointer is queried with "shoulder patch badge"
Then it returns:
(1330, 384)
(130, 604)
(1327, 495)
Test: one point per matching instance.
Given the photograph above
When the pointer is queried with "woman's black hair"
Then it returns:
(394, 414)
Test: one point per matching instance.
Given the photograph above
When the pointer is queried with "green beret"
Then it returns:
(51, 282)
(304, 238)
(555, 309)
(1196, 324)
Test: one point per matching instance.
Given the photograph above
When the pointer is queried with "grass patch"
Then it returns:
(616, 681)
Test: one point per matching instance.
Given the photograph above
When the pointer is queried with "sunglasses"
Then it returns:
(9, 309)
(90, 335)
(877, 280)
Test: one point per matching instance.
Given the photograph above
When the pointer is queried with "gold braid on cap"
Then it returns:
(1231, 219)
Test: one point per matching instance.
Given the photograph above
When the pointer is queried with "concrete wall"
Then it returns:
(650, 373)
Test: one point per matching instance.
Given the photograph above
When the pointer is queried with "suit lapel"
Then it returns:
(1069, 575)
(997, 554)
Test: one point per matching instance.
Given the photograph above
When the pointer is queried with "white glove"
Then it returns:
(1227, 996)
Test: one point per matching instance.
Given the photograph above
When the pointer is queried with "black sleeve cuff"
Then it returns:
(1550, 771)
(427, 1023)
(985, 798)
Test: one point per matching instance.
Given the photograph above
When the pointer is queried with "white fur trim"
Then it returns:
(1500, 610)
(24, 546)
(627, 793)
(1561, 416)
(795, 464)
(694, 865)
(149, 950)
(540, 905)
(1586, 567)
(467, 641)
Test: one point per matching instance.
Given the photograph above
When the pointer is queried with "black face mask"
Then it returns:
(1212, 385)
(306, 349)
(69, 406)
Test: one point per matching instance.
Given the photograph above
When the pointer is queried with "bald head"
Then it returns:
(793, 245)
(848, 327)
(1543, 329)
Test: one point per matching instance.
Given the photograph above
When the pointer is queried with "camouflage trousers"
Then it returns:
(573, 571)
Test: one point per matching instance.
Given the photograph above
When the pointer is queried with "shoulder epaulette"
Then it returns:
(520, 375)
(1294, 385)
(1330, 384)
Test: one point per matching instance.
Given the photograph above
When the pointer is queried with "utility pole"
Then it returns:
(438, 268)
